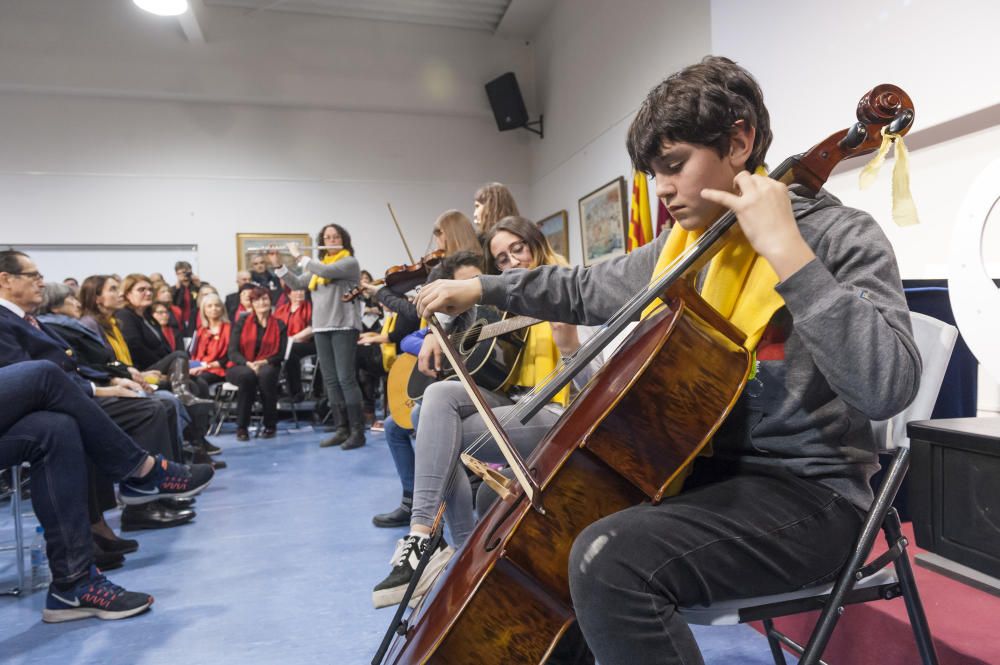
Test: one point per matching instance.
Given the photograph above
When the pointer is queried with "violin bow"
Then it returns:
(400, 231)
(493, 425)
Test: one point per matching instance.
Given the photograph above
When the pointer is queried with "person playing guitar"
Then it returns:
(815, 286)
(448, 419)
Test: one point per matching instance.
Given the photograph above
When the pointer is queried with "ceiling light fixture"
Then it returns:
(163, 7)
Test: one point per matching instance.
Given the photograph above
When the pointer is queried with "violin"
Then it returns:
(402, 278)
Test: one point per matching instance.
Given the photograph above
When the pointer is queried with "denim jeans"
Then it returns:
(401, 448)
(450, 423)
(733, 533)
(52, 424)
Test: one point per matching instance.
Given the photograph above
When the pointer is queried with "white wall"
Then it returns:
(595, 61)
(119, 130)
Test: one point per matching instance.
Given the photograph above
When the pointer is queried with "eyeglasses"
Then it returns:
(143, 289)
(518, 249)
(30, 274)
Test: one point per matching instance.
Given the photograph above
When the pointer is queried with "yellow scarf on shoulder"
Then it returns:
(118, 344)
(739, 283)
(316, 280)
(539, 358)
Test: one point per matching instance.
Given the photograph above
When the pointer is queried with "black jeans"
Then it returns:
(48, 421)
(731, 534)
(293, 365)
(249, 382)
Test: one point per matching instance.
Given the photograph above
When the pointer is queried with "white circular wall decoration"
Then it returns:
(975, 299)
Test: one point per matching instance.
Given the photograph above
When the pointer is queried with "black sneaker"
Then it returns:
(167, 479)
(94, 596)
(390, 591)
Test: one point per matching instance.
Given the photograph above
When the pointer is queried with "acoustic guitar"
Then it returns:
(489, 343)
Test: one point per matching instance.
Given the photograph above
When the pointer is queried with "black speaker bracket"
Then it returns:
(536, 126)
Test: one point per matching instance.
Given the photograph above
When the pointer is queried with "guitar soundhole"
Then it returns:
(470, 338)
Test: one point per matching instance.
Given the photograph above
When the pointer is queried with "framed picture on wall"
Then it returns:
(603, 217)
(249, 245)
(555, 228)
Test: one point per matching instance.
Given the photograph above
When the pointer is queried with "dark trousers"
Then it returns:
(164, 363)
(152, 423)
(249, 382)
(731, 534)
(293, 365)
(50, 423)
(337, 353)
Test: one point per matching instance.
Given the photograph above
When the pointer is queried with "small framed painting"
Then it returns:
(602, 222)
(250, 245)
(555, 228)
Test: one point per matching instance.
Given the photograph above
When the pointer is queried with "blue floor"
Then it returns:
(277, 567)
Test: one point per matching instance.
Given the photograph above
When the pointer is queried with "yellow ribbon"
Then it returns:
(327, 260)
(904, 211)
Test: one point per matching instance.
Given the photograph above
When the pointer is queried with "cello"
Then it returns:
(505, 596)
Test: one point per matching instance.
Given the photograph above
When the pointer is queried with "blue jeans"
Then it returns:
(401, 448)
(50, 423)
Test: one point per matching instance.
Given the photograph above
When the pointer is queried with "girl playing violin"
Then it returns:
(779, 504)
(335, 326)
(449, 422)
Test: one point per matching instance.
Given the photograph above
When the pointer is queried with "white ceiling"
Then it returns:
(484, 15)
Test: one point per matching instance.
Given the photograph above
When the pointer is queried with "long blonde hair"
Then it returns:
(206, 299)
(459, 233)
(497, 202)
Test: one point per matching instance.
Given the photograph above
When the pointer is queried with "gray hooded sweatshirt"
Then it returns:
(848, 354)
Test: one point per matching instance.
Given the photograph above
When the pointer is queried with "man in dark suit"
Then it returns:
(149, 422)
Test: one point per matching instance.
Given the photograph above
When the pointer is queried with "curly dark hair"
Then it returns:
(699, 105)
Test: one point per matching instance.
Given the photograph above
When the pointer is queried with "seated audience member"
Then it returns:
(244, 303)
(371, 374)
(186, 297)
(296, 312)
(60, 312)
(72, 283)
(49, 422)
(157, 278)
(210, 347)
(164, 328)
(148, 349)
(256, 349)
(162, 293)
(147, 421)
(233, 299)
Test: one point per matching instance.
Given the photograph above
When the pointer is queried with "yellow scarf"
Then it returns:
(739, 284)
(388, 349)
(539, 358)
(118, 345)
(316, 280)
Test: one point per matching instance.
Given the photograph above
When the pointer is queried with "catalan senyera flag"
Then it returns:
(640, 227)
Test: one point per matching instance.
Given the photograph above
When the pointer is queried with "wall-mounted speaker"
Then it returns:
(507, 103)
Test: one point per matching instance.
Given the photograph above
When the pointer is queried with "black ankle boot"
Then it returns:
(181, 385)
(396, 518)
(338, 414)
(356, 419)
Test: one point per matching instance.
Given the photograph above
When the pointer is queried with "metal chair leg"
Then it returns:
(776, 652)
(914, 608)
(15, 503)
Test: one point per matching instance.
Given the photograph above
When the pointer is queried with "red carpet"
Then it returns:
(964, 622)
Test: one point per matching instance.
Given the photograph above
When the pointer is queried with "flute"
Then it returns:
(284, 248)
